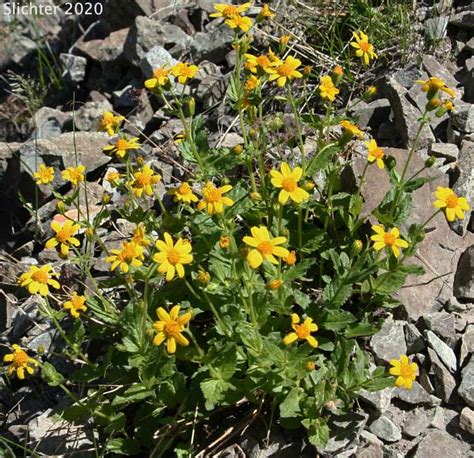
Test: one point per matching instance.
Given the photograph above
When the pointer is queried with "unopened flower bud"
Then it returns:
(337, 74)
(224, 242)
(40, 350)
(277, 123)
(447, 106)
(430, 162)
(192, 106)
(89, 233)
(291, 258)
(61, 207)
(256, 196)
(284, 39)
(370, 93)
(308, 185)
(203, 277)
(357, 246)
(237, 149)
(105, 198)
(433, 104)
(307, 71)
(140, 161)
(253, 133)
(310, 366)
(275, 284)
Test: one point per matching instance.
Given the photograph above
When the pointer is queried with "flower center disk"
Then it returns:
(173, 256)
(265, 247)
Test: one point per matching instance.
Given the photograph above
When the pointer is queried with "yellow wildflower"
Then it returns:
(131, 254)
(184, 71)
(433, 85)
(285, 71)
(38, 280)
(284, 40)
(183, 193)
(405, 371)
(160, 78)
(139, 236)
(122, 145)
(226, 11)
(266, 12)
(170, 327)
(172, 256)
(213, 199)
(224, 242)
(203, 277)
(44, 175)
(390, 239)
(74, 175)
(275, 284)
(291, 258)
(252, 83)
(454, 206)
(287, 180)
(110, 123)
(75, 305)
(351, 129)
(19, 362)
(327, 89)
(252, 63)
(264, 247)
(301, 331)
(239, 22)
(375, 153)
(144, 180)
(113, 177)
(64, 236)
(364, 49)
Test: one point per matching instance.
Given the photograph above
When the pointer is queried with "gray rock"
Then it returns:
(470, 45)
(443, 380)
(448, 151)
(464, 19)
(42, 340)
(49, 122)
(88, 116)
(370, 451)
(385, 429)
(408, 75)
(344, 430)
(445, 353)
(232, 139)
(416, 423)
(75, 67)
(442, 418)
(414, 339)
(155, 58)
(462, 118)
(464, 278)
(212, 46)
(417, 395)
(466, 420)
(466, 388)
(126, 97)
(380, 400)
(7, 309)
(406, 115)
(467, 344)
(434, 68)
(440, 444)
(212, 85)
(372, 114)
(443, 325)
(389, 342)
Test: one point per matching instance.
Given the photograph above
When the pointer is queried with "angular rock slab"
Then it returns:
(439, 252)
(441, 444)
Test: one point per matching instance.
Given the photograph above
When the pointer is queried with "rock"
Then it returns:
(7, 309)
(49, 122)
(212, 46)
(464, 278)
(466, 388)
(156, 57)
(370, 451)
(389, 342)
(75, 67)
(442, 418)
(464, 19)
(372, 114)
(443, 380)
(448, 151)
(442, 324)
(380, 400)
(416, 423)
(384, 429)
(445, 353)
(463, 118)
(467, 344)
(409, 75)
(466, 420)
(344, 430)
(414, 339)
(88, 116)
(434, 68)
(212, 85)
(440, 444)
(417, 395)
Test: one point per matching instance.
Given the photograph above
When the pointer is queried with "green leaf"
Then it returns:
(135, 393)
(336, 293)
(322, 159)
(214, 391)
(50, 375)
(123, 446)
(318, 431)
(360, 329)
(335, 320)
(290, 407)
(416, 183)
(391, 282)
(298, 270)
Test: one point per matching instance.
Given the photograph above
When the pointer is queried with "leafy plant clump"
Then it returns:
(257, 278)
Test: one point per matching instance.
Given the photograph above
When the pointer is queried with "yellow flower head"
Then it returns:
(122, 145)
(160, 78)
(291, 258)
(327, 89)
(110, 123)
(275, 284)
(184, 71)
(213, 199)
(264, 247)
(252, 83)
(183, 193)
(266, 12)
(224, 242)
(39, 279)
(285, 71)
(375, 153)
(405, 371)
(226, 11)
(64, 236)
(351, 129)
(203, 277)
(389, 239)
(139, 236)
(364, 49)
(287, 180)
(44, 175)
(113, 177)
(19, 362)
(284, 40)
(171, 256)
(453, 205)
(170, 327)
(338, 71)
(75, 305)
(253, 63)
(301, 331)
(74, 175)
(131, 254)
(239, 22)
(433, 85)
(144, 180)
